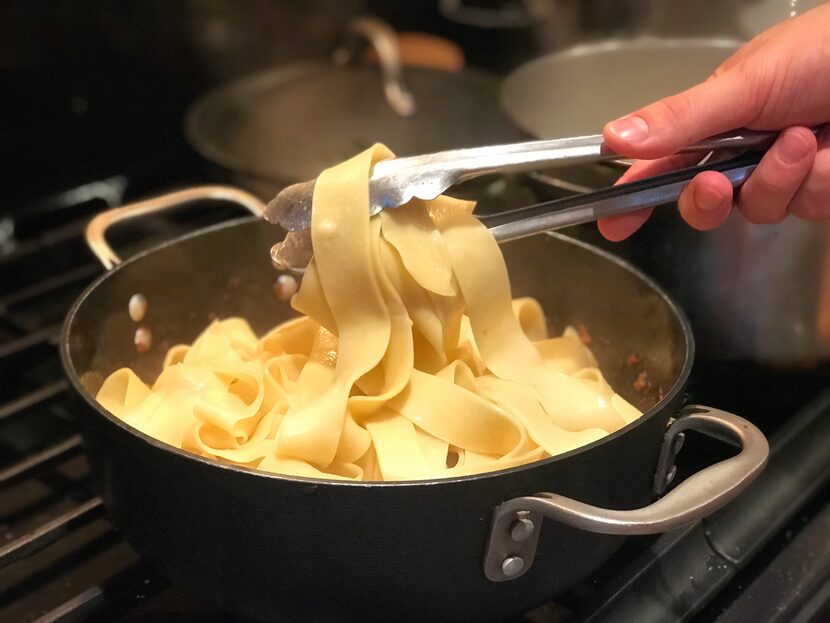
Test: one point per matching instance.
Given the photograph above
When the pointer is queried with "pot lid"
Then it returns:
(291, 123)
(577, 91)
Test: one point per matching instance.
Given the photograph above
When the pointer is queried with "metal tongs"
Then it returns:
(394, 182)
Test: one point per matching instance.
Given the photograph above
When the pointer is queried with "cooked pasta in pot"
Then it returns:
(410, 360)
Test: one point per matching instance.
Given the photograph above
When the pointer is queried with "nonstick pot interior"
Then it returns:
(226, 271)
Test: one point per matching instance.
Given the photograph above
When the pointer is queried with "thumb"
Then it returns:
(721, 103)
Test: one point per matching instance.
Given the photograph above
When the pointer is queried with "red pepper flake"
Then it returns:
(285, 287)
(642, 381)
(584, 335)
(632, 360)
(143, 340)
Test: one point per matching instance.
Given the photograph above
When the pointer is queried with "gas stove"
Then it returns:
(766, 557)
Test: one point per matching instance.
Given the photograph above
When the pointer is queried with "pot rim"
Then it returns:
(74, 378)
(508, 93)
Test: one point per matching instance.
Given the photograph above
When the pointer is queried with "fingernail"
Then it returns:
(793, 148)
(631, 129)
(708, 199)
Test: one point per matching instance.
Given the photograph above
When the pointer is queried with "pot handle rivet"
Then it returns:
(521, 529)
(702, 493)
(512, 566)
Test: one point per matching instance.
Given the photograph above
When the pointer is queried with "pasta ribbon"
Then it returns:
(410, 359)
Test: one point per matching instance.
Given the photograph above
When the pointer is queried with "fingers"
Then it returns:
(812, 201)
(792, 177)
(706, 201)
(773, 185)
(722, 103)
(764, 198)
(616, 228)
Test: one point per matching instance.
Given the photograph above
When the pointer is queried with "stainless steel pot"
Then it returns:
(753, 292)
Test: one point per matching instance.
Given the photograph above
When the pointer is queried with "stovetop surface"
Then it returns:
(61, 558)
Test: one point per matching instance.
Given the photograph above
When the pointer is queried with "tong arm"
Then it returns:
(295, 251)
(396, 181)
(621, 199)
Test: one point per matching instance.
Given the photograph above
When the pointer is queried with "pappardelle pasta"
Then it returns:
(410, 360)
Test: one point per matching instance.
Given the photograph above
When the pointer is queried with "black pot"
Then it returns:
(472, 548)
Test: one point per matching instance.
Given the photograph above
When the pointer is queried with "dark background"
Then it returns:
(92, 87)
(98, 87)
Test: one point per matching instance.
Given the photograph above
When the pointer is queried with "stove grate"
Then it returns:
(61, 559)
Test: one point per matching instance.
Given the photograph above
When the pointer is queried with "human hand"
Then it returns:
(780, 80)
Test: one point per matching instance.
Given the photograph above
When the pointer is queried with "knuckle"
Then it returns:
(762, 213)
(803, 207)
(813, 200)
(719, 71)
(821, 169)
(762, 206)
(674, 111)
(754, 93)
(769, 185)
(813, 206)
(764, 217)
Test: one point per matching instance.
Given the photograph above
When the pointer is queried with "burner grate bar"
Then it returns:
(76, 609)
(133, 583)
(47, 334)
(46, 457)
(44, 394)
(777, 594)
(50, 532)
(706, 556)
(109, 192)
(64, 279)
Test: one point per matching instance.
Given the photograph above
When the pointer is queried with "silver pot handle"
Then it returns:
(384, 40)
(96, 230)
(515, 526)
